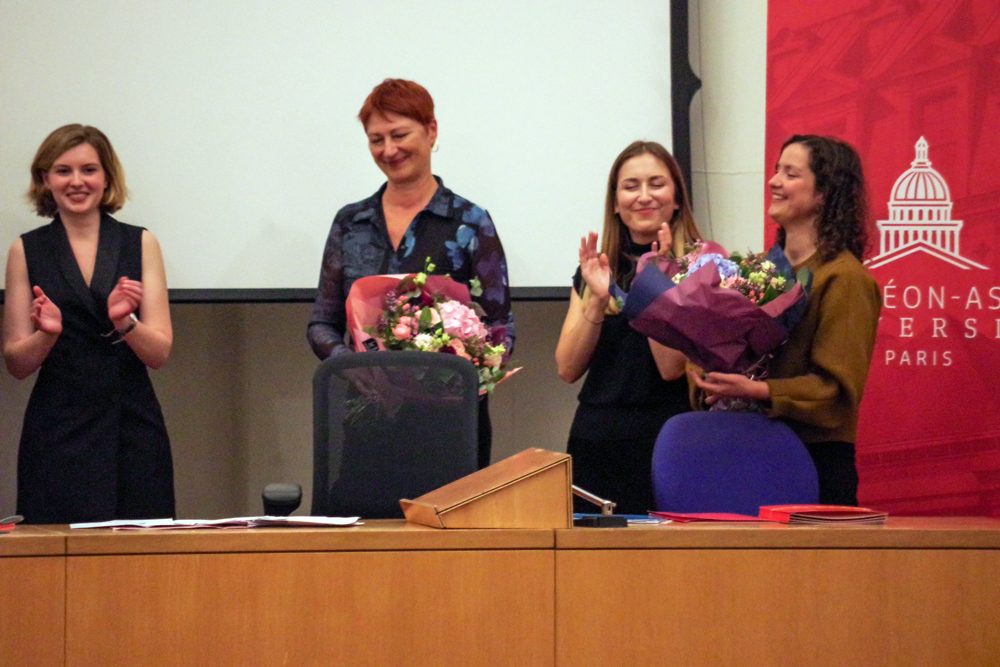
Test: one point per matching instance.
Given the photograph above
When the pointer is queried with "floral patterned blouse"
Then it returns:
(457, 236)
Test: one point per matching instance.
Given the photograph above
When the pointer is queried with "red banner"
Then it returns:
(915, 86)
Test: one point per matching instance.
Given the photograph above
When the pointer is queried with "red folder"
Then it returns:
(821, 514)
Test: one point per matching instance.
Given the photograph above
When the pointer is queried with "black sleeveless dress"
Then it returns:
(94, 446)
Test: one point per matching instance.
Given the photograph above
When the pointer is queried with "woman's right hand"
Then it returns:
(45, 315)
(594, 267)
(582, 326)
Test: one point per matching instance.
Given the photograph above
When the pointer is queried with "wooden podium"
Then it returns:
(531, 489)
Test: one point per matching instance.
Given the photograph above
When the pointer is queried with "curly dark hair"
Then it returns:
(841, 222)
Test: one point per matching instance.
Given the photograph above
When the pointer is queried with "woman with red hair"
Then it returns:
(412, 218)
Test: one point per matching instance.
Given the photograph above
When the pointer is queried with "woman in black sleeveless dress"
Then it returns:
(86, 302)
(633, 384)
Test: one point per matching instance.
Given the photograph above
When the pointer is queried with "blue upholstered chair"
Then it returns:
(732, 462)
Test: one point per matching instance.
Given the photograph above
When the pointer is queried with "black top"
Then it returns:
(624, 396)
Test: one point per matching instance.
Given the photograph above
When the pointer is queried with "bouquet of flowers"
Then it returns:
(724, 312)
(426, 313)
(754, 275)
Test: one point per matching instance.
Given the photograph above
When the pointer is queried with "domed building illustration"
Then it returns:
(920, 217)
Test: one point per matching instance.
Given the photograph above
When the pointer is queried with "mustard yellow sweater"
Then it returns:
(817, 377)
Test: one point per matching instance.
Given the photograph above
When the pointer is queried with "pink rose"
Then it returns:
(402, 332)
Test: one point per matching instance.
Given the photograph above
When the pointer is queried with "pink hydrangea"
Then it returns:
(460, 320)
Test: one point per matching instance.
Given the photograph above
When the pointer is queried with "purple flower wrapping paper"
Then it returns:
(717, 328)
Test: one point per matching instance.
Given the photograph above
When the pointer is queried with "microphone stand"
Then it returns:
(607, 518)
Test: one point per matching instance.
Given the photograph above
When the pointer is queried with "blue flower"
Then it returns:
(727, 268)
(463, 246)
(473, 214)
(409, 241)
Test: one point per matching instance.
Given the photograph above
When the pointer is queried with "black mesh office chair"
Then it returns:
(390, 425)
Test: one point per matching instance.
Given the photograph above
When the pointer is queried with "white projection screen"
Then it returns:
(236, 120)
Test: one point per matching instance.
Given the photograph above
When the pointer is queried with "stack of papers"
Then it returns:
(822, 514)
(239, 522)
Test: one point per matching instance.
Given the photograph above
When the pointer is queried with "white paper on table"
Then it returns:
(238, 522)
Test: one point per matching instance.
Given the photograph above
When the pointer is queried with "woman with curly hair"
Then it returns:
(817, 378)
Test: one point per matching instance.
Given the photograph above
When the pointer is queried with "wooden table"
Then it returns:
(912, 592)
(32, 597)
(385, 593)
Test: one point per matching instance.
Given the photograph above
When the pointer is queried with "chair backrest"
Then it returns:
(390, 425)
(733, 462)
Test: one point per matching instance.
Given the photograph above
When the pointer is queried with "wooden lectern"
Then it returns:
(528, 490)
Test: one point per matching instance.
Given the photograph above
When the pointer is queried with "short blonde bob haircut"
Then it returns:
(62, 140)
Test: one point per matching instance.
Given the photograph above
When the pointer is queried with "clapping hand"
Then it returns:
(124, 299)
(594, 267)
(664, 243)
(45, 315)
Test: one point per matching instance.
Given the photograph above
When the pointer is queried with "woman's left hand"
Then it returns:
(730, 385)
(664, 243)
(124, 300)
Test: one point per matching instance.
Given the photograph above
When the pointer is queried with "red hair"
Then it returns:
(399, 96)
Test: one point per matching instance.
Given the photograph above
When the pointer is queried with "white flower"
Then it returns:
(425, 342)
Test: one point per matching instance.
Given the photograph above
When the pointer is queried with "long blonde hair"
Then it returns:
(615, 236)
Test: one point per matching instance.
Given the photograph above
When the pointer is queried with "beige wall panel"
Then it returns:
(198, 391)
(275, 399)
(728, 51)
(13, 400)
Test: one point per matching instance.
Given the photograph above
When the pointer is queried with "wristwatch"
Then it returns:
(132, 321)
(119, 334)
